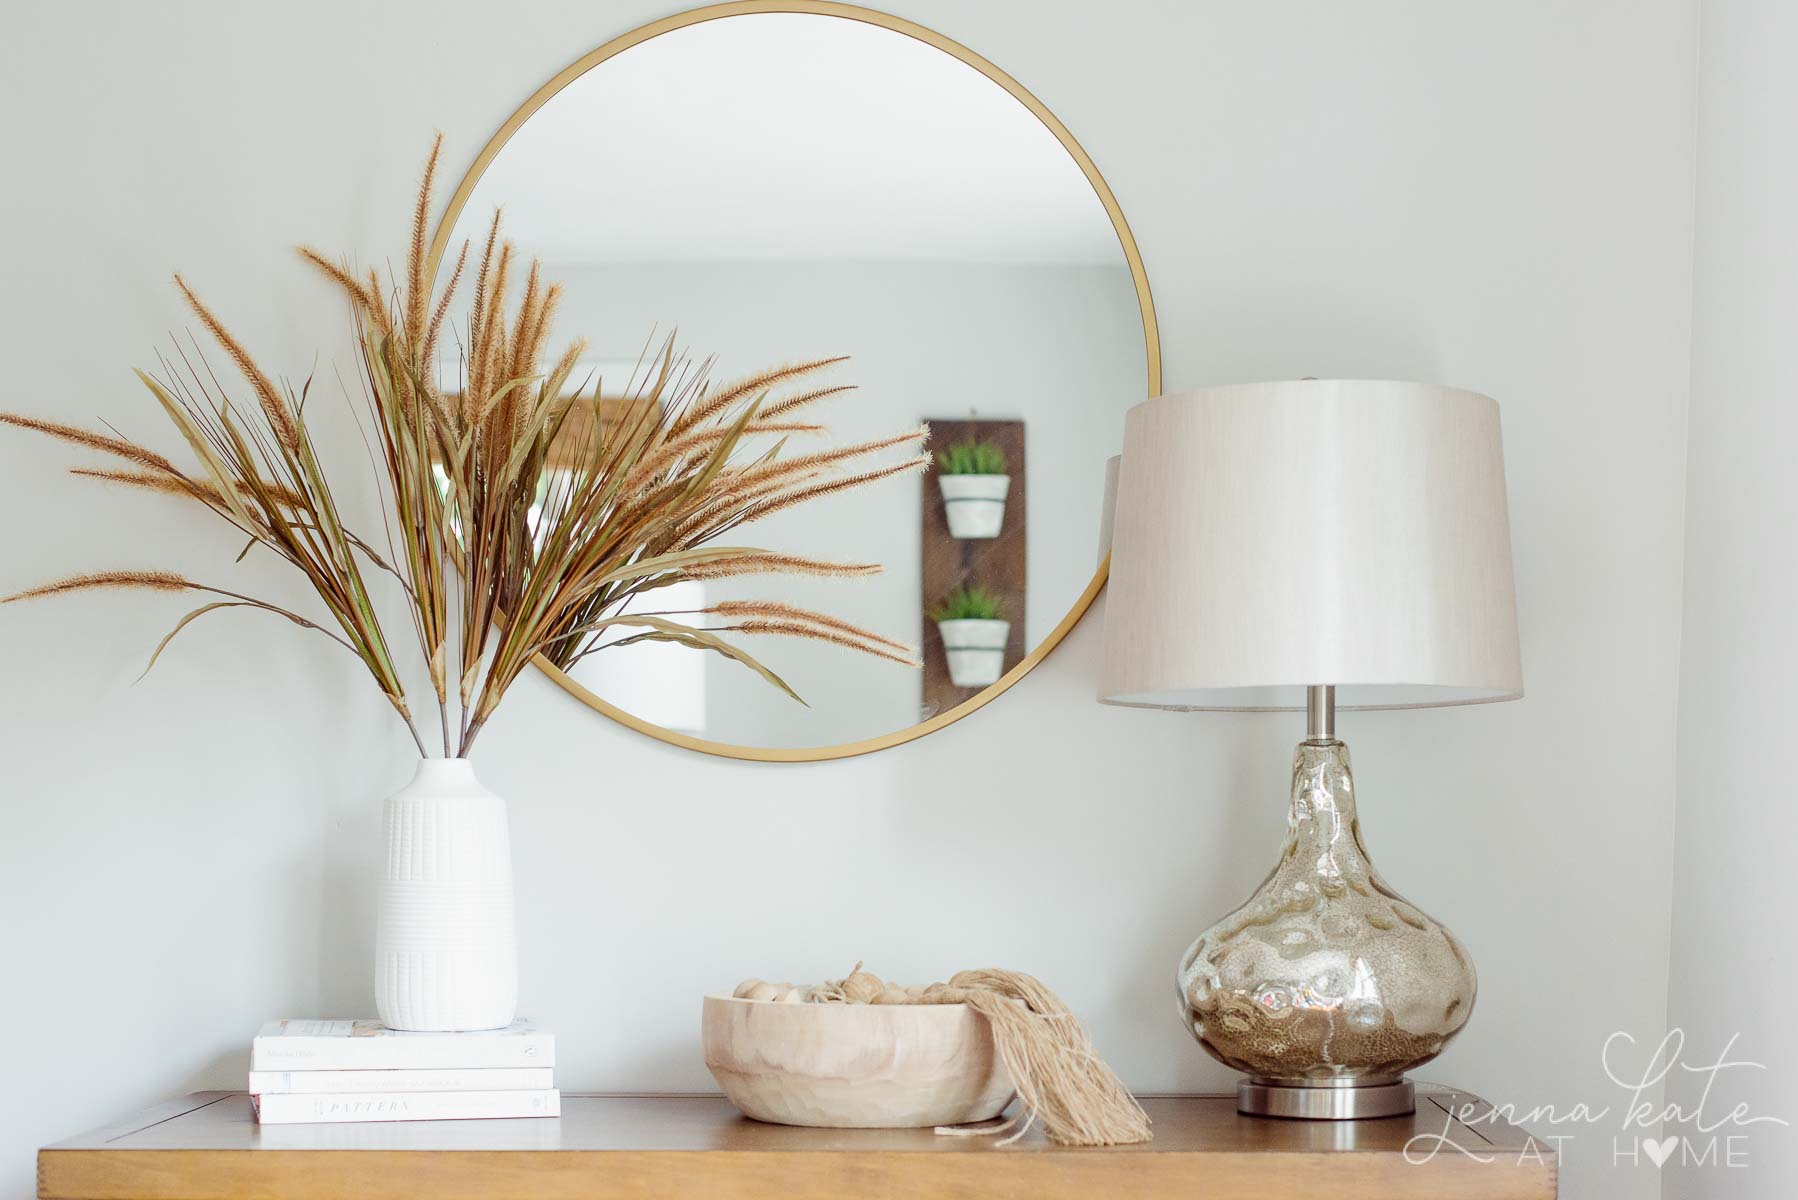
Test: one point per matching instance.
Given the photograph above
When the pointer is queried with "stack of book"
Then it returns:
(312, 1071)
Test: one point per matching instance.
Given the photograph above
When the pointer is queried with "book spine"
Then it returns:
(399, 1053)
(406, 1106)
(492, 1079)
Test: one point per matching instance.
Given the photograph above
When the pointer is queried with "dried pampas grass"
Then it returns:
(87, 439)
(771, 610)
(156, 581)
(777, 564)
(550, 556)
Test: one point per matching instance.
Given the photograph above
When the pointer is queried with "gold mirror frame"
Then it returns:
(1151, 338)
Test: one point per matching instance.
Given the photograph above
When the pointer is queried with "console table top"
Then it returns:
(206, 1146)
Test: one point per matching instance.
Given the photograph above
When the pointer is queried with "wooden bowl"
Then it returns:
(855, 1066)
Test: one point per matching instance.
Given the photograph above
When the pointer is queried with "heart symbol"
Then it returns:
(1659, 1152)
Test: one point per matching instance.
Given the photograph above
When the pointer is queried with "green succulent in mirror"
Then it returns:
(969, 604)
(971, 457)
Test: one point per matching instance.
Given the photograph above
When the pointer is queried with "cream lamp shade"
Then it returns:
(1269, 537)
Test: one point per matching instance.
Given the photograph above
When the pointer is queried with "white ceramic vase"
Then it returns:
(446, 955)
(976, 651)
(974, 504)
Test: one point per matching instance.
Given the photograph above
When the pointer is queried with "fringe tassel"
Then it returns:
(1061, 1079)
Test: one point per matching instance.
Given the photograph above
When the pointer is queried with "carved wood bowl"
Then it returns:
(855, 1066)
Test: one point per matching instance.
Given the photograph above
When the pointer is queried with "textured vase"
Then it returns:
(446, 955)
(1326, 977)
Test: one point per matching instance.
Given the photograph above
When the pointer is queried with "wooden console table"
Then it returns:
(206, 1147)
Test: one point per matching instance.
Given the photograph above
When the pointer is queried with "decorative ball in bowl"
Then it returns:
(854, 1066)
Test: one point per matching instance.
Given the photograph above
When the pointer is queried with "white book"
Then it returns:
(309, 1045)
(479, 1079)
(405, 1106)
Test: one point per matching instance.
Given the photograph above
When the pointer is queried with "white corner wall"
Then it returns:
(1495, 196)
(1732, 971)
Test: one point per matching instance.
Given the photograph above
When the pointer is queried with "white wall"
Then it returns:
(1733, 972)
(1494, 196)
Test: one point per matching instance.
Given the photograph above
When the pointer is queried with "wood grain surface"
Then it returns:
(206, 1147)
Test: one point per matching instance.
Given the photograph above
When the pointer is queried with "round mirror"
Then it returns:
(820, 181)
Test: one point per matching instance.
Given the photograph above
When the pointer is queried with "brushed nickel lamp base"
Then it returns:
(1325, 1102)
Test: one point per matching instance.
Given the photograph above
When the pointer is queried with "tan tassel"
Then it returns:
(1061, 1079)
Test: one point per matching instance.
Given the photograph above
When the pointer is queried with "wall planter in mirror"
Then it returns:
(971, 475)
(975, 593)
(974, 632)
(959, 241)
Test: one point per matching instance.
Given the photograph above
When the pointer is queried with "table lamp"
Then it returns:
(1288, 546)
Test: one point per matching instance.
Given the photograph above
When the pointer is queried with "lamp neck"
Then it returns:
(1323, 835)
(1320, 713)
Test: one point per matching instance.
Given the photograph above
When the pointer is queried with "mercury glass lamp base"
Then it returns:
(1349, 1102)
(1326, 987)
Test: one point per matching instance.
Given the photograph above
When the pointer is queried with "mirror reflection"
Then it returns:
(785, 187)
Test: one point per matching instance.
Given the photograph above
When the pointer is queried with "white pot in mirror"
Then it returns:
(975, 649)
(974, 504)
